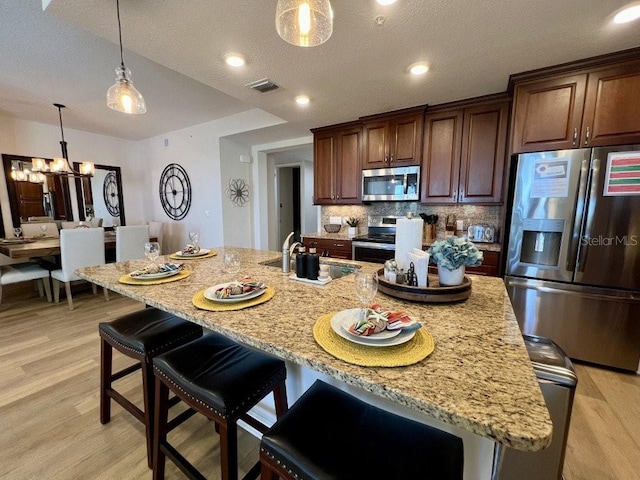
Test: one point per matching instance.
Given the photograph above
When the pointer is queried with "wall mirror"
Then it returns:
(28, 199)
(100, 196)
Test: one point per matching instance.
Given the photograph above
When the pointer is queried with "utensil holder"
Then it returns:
(429, 233)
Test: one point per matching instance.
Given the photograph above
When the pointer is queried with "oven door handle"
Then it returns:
(374, 246)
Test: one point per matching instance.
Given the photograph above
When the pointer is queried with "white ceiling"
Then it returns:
(68, 54)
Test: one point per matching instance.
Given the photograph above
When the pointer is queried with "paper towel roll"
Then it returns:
(408, 237)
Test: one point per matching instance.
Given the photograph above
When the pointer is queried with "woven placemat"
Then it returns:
(212, 253)
(199, 301)
(408, 353)
(129, 280)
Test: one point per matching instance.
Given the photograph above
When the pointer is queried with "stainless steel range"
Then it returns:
(379, 244)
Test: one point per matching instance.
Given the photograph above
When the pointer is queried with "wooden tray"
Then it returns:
(434, 293)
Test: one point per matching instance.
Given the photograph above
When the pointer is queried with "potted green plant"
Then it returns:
(452, 255)
(353, 223)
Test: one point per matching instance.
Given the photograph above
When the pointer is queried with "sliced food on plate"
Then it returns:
(377, 319)
(157, 270)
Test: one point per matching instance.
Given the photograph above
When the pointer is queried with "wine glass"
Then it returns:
(43, 229)
(151, 251)
(194, 237)
(17, 232)
(366, 287)
(232, 263)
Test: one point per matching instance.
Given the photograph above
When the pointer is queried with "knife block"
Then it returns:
(429, 233)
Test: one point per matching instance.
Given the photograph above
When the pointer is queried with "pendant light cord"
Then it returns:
(60, 117)
(120, 33)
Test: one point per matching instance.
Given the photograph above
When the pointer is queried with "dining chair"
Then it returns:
(45, 218)
(35, 229)
(25, 272)
(79, 247)
(130, 242)
(156, 229)
(70, 225)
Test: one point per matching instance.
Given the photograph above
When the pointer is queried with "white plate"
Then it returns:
(349, 315)
(210, 294)
(202, 252)
(151, 276)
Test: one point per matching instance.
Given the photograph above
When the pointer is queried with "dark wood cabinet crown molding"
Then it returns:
(578, 66)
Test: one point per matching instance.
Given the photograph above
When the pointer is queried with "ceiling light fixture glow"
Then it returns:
(304, 23)
(419, 68)
(123, 96)
(234, 59)
(628, 14)
(386, 2)
(302, 100)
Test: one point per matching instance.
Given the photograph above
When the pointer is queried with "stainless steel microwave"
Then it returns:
(390, 184)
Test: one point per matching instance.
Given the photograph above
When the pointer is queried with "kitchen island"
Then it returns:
(478, 383)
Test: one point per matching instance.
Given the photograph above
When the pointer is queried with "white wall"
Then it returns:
(197, 149)
(237, 220)
(32, 139)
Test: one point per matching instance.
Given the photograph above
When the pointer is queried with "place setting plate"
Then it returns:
(153, 276)
(201, 253)
(341, 322)
(210, 294)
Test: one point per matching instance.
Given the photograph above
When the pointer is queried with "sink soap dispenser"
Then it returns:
(301, 263)
(313, 263)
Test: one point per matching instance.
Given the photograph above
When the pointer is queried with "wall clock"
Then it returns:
(175, 191)
(110, 194)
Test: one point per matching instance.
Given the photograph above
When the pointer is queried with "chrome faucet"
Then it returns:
(287, 253)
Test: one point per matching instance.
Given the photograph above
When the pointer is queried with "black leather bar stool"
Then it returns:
(222, 380)
(328, 433)
(141, 335)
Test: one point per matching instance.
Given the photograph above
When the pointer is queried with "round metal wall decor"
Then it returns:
(175, 191)
(238, 192)
(110, 194)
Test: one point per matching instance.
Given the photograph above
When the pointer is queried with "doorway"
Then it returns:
(288, 202)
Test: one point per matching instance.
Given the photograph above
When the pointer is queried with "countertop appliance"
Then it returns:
(482, 233)
(573, 264)
(558, 381)
(390, 184)
(379, 243)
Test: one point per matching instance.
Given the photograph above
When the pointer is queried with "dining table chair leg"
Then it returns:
(56, 291)
(106, 294)
(94, 288)
(67, 290)
(40, 287)
(47, 288)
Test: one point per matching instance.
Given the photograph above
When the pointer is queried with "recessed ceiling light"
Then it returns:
(628, 14)
(418, 68)
(386, 2)
(302, 100)
(234, 59)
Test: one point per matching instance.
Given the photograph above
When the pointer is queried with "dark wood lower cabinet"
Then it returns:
(329, 248)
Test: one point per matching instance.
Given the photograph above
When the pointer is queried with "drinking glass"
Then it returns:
(232, 262)
(194, 236)
(151, 251)
(17, 232)
(366, 287)
(43, 229)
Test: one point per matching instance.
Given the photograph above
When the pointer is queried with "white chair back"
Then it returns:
(80, 247)
(95, 222)
(156, 229)
(66, 225)
(35, 229)
(130, 242)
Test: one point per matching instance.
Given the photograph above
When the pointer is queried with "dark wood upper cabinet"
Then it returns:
(337, 169)
(464, 151)
(548, 114)
(612, 106)
(589, 103)
(393, 140)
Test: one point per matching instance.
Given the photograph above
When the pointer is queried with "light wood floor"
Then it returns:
(49, 427)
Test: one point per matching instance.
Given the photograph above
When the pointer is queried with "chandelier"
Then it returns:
(40, 169)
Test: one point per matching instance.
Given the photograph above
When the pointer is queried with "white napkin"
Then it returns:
(408, 237)
(420, 261)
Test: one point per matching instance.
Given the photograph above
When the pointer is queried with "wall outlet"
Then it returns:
(335, 220)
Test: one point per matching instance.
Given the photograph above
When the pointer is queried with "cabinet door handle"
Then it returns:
(575, 136)
(461, 196)
(391, 158)
(455, 196)
(586, 138)
(386, 159)
(338, 197)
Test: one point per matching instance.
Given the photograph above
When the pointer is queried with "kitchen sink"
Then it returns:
(335, 270)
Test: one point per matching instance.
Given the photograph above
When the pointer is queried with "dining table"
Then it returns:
(477, 381)
(38, 247)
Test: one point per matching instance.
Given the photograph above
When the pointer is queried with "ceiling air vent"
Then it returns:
(263, 86)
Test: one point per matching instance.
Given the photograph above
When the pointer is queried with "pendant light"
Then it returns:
(305, 23)
(123, 96)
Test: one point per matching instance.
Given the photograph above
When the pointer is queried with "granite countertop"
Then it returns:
(478, 378)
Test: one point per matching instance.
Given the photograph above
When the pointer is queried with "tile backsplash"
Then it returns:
(469, 214)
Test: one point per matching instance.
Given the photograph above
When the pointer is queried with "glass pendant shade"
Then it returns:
(304, 23)
(123, 96)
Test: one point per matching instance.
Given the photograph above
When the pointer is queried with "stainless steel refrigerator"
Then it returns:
(573, 262)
